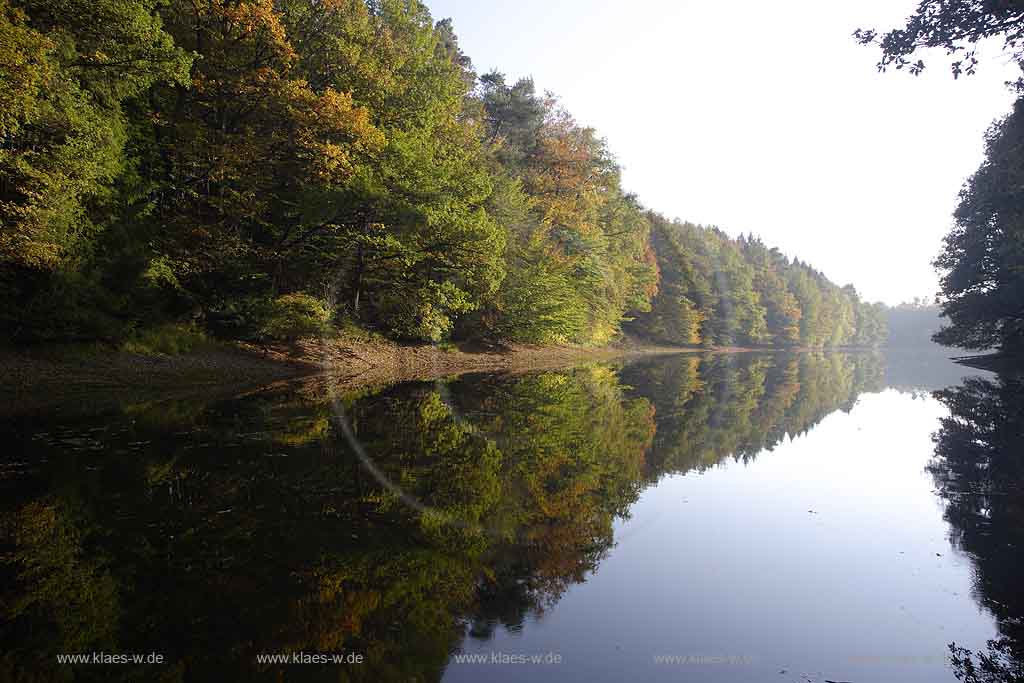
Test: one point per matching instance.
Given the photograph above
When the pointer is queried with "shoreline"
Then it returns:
(38, 379)
(43, 378)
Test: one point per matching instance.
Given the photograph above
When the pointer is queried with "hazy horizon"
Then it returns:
(762, 119)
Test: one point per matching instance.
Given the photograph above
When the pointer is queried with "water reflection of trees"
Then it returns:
(211, 533)
(710, 408)
(979, 472)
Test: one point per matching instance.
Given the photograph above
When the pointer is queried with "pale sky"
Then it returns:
(762, 117)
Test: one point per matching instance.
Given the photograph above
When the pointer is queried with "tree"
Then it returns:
(982, 261)
(577, 250)
(73, 64)
(781, 307)
(674, 317)
(955, 25)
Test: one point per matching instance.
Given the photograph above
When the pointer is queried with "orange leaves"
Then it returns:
(263, 130)
(333, 133)
(238, 37)
(569, 172)
(342, 120)
(258, 19)
(650, 287)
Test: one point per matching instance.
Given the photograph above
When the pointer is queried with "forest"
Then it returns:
(269, 169)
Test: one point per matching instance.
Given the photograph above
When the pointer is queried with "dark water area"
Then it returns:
(748, 517)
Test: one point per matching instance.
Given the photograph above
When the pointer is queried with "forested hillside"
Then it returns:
(264, 169)
(715, 290)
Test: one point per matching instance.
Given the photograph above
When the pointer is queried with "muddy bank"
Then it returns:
(91, 379)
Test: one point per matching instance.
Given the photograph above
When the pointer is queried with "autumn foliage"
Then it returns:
(194, 161)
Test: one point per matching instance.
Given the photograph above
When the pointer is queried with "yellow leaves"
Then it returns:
(38, 228)
(258, 20)
(26, 70)
(29, 252)
(331, 160)
(339, 117)
(339, 108)
(570, 173)
(264, 133)
(335, 132)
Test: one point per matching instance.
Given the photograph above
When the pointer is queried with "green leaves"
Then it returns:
(296, 315)
(68, 67)
(982, 261)
(718, 291)
(192, 160)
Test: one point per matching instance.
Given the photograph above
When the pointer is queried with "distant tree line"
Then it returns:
(270, 168)
(715, 290)
(913, 324)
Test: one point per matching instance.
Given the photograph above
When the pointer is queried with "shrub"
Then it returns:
(296, 315)
(427, 314)
(352, 331)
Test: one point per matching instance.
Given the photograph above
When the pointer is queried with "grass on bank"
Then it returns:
(169, 339)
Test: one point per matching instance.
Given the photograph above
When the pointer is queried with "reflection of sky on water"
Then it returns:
(826, 557)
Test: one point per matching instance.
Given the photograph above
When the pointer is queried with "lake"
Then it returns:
(732, 517)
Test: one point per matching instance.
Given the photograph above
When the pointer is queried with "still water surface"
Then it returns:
(749, 517)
